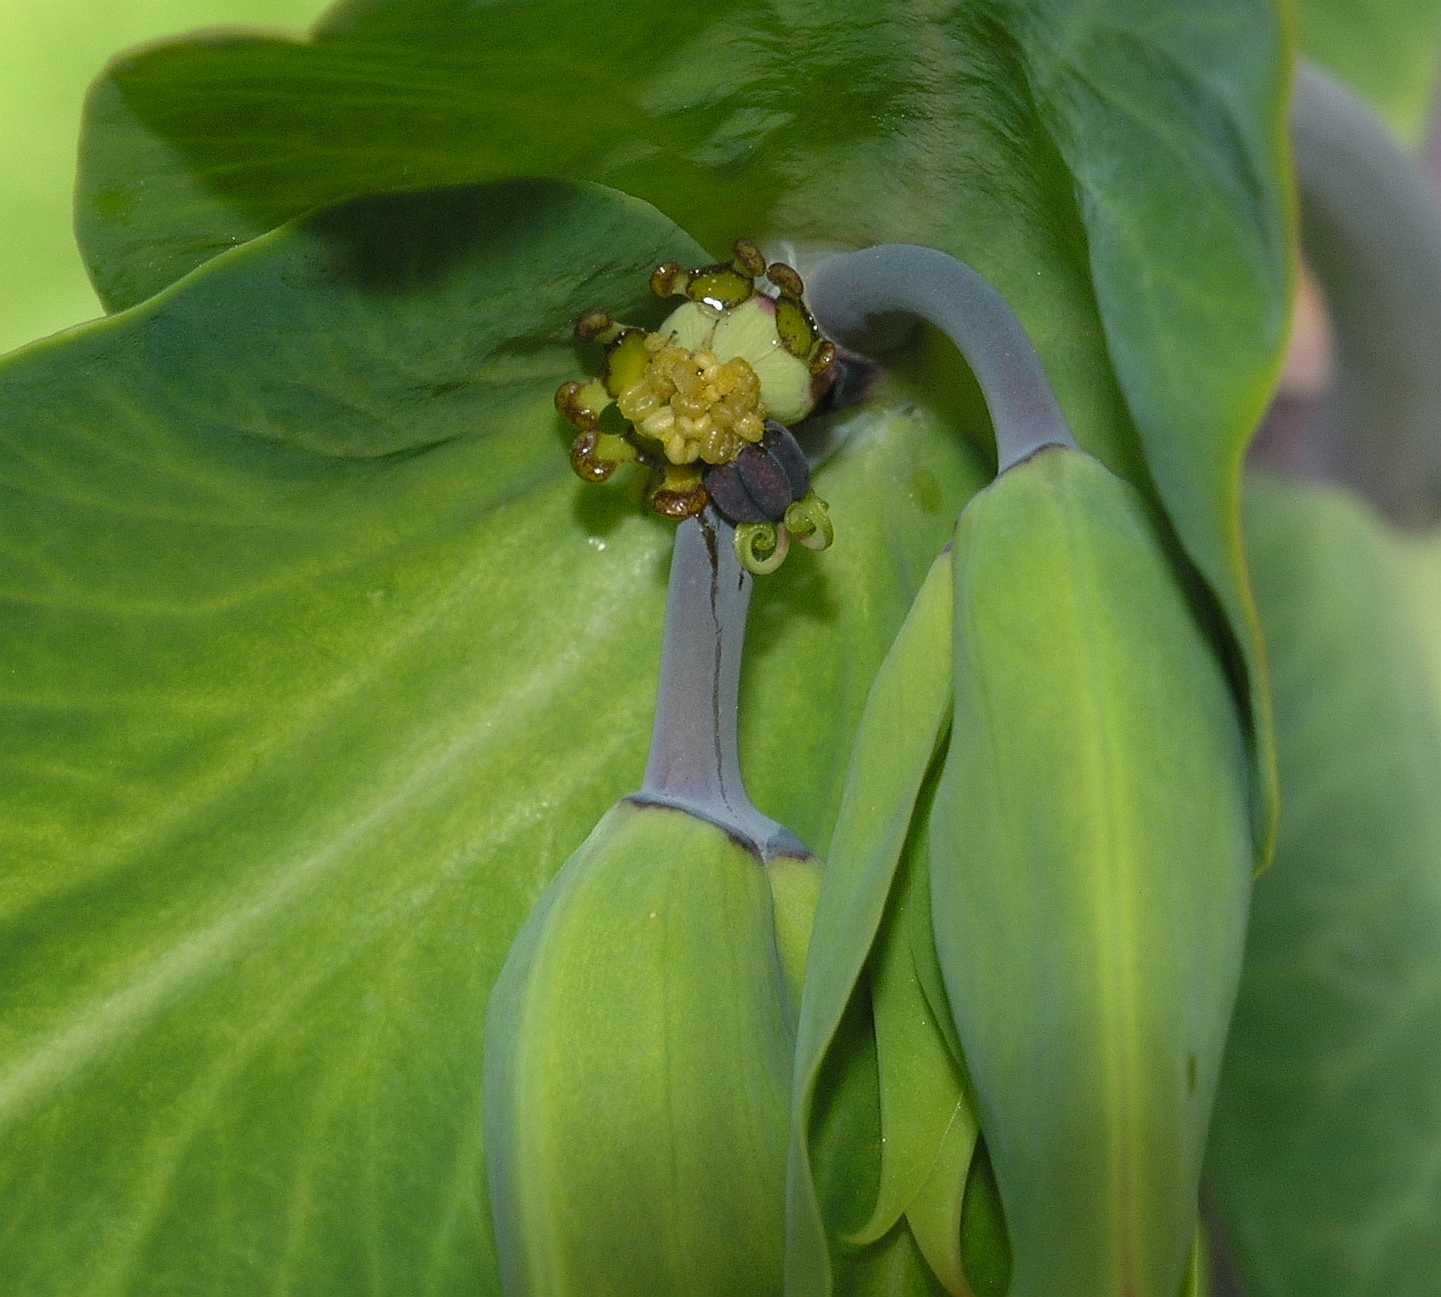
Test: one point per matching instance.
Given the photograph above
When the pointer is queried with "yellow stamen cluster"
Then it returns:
(693, 404)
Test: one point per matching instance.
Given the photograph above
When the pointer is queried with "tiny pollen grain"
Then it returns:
(695, 405)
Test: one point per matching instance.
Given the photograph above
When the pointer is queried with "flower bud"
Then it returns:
(1090, 873)
(638, 1059)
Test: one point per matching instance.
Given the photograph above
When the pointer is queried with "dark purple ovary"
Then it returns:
(763, 480)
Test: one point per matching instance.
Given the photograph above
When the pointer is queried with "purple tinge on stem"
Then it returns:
(694, 761)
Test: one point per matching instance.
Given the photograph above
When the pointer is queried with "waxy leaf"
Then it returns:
(905, 716)
(926, 1117)
(319, 661)
(1325, 1164)
(1078, 154)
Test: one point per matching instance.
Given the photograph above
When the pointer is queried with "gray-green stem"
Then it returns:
(1371, 230)
(856, 298)
(694, 759)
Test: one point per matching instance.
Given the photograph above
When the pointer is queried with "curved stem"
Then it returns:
(694, 761)
(1371, 230)
(855, 295)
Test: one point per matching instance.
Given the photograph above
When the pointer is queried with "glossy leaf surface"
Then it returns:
(319, 662)
(1077, 154)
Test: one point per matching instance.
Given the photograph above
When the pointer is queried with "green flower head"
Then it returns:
(704, 401)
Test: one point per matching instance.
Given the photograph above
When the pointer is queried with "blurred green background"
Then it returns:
(50, 50)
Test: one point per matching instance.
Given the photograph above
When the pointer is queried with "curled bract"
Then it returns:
(704, 400)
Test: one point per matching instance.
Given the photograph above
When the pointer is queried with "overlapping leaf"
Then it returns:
(1326, 1158)
(1078, 154)
(1388, 50)
(49, 53)
(318, 662)
(905, 717)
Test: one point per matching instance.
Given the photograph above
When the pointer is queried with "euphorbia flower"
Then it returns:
(707, 397)
(446, 321)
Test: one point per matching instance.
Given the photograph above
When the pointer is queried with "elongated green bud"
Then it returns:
(932, 1183)
(640, 1038)
(1090, 874)
(637, 1073)
(1089, 865)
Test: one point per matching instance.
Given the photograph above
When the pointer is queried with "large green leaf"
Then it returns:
(318, 662)
(1326, 1154)
(1388, 50)
(51, 52)
(1079, 154)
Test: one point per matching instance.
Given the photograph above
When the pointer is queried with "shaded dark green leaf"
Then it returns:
(318, 662)
(1326, 1152)
(1079, 155)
